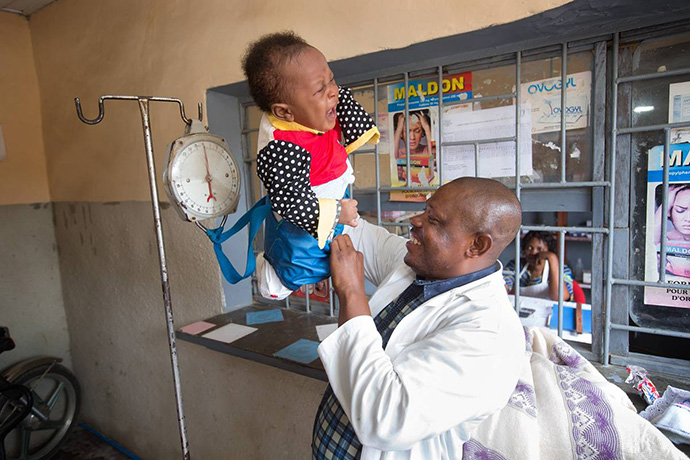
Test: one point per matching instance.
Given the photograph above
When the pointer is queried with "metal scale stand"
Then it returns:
(144, 109)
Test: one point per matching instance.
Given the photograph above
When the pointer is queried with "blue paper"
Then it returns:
(266, 316)
(303, 351)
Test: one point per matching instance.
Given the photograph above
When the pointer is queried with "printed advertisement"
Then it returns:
(544, 97)
(422, 101)
(677, 217)
(679, 110)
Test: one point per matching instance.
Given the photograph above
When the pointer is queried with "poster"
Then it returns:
(544, 98)
(679, 110)
(678, 226)
(496, 159)
(422, 101)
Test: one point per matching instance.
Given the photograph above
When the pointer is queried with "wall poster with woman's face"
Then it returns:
(420, 133)
(676, 214)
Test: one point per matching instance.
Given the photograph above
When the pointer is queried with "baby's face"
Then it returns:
(312, 90)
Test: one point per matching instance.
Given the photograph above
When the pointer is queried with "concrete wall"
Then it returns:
(97, 180)
(30, 290)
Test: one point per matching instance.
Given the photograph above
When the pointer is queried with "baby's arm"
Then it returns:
(355, 123)
(283, 167)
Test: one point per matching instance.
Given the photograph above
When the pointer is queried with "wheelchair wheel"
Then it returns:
(56, 394)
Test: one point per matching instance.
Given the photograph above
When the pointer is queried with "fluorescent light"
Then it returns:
(643, 108)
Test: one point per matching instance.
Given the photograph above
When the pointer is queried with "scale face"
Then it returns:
(202, 177)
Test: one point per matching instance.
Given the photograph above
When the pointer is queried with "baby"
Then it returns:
(308, 128)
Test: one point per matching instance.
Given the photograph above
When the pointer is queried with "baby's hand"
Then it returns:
(348, 212)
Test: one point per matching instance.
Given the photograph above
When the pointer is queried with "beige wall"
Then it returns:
(180, 49)
(23, 177)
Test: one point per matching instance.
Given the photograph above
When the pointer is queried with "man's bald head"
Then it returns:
(466, 225)
(487, 206)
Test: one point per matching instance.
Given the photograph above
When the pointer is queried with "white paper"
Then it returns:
(679, 110)
(229, 333)
(544, 97)
(496, 159)
(325, 330)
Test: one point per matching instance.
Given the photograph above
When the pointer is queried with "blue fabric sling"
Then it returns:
(292, 252)
(254, 218)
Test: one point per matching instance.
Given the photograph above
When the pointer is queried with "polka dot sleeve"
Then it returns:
(283, 167)
(354, 121)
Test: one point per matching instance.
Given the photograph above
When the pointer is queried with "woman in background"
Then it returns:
(539, 269)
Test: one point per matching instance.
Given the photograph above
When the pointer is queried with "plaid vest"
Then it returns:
(333, 436)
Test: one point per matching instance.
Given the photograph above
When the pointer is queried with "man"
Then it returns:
(438, 347)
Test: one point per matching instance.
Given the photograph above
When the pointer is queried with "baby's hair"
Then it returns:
(549, 240)
(262, 64)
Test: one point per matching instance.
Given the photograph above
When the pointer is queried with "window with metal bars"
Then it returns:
(580, 172)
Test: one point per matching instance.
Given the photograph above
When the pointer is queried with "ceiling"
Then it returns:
(23, 7)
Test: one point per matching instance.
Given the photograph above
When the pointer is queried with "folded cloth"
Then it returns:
(562, 407)
(671, 414)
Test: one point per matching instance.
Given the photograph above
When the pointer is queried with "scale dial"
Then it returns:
(202, 178)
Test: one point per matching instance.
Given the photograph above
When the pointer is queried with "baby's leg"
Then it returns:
(269, 284)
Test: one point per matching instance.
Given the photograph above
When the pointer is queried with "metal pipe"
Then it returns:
(439, 153)
(167, 302)
(664, 206)
(644, 129)
(647, 330)
(564, 90)
(330, 300)
(649, 76)
(612, 189)
(627, 282)
(586, 184)
(377, 154)
(518, 103)
(476, 159)
(561, 262)
(570, 229)
(482, 141)
(407, 130)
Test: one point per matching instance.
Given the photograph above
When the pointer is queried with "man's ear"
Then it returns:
(481, 243)
(282, 111)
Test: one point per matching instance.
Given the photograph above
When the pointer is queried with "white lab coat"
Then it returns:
(448, 365)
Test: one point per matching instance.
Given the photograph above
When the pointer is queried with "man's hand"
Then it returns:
(348, 212)
(347, 273)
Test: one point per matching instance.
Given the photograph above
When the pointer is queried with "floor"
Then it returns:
(83, 445)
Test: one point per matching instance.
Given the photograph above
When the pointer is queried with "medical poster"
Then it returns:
(495, 159)
(544, 98)
(677, 217)
(422, 130)
(679, 110)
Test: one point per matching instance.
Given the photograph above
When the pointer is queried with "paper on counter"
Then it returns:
(264, 316)
(229, 333)
(197, 328)
(303, 351)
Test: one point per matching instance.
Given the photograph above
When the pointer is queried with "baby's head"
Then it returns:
(291, 79)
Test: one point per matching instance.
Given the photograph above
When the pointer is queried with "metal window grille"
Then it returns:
(611, 312)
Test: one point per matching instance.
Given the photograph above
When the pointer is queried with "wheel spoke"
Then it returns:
(51, 425)
(54, 397)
